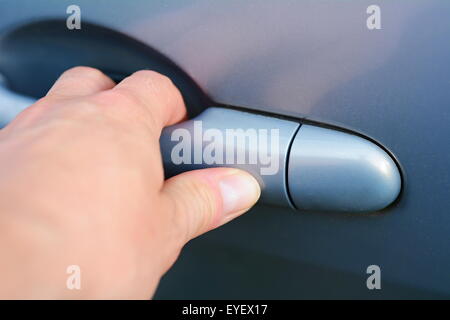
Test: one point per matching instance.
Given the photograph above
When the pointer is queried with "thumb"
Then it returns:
(205, 199)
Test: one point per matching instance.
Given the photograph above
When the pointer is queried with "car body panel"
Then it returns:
(313, 60)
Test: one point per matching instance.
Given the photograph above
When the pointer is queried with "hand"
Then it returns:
(82, 184)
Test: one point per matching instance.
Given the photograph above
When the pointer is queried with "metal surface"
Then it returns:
(240, 137)
(320, 169)
(335, 171)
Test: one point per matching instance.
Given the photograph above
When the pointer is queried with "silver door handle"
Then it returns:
(303, 166)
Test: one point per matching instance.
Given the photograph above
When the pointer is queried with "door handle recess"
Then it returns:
(302, 166)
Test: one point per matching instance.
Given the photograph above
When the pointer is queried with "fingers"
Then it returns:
(145, 96)
(73, 83)
(156, 94)
(202, 200)
(80, 81)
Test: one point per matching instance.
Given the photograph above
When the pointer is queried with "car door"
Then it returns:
(379, 69)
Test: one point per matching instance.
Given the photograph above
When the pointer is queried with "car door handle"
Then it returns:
(300, 165)
(303, 166)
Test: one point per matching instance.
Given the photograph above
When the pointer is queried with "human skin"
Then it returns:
(82, 184)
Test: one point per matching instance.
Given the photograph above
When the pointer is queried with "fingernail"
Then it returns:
(239, 191)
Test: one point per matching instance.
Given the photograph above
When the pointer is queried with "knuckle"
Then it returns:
(203, 204)
(118, 96)
(85, 71)
(154, 78)
(120, 100)
(120, 104)
(205, 199)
